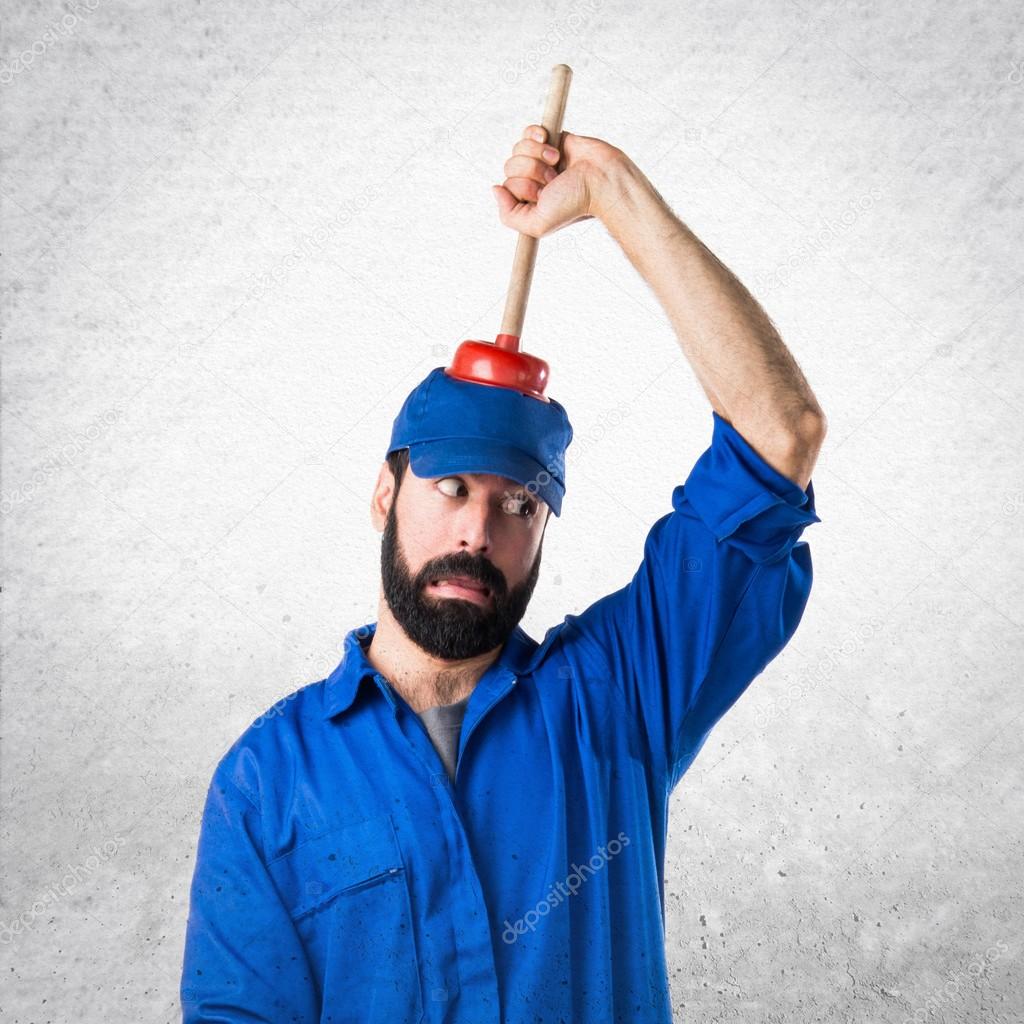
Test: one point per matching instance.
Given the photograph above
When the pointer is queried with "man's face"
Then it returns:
(486, 529)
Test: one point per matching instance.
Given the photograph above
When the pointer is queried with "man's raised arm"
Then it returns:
(745, 369)
(724, 577)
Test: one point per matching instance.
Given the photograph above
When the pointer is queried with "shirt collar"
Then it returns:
(520, 655)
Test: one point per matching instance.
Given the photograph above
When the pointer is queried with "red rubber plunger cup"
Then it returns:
(501, 364)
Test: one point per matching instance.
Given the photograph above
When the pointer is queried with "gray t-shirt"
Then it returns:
(444, 725)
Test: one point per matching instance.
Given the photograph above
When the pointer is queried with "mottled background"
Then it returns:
(236, 234)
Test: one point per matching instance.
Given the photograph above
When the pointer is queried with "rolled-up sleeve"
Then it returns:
(243, 960)
(745, 501)
(720, 591)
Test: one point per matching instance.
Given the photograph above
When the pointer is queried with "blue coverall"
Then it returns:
(341, 877)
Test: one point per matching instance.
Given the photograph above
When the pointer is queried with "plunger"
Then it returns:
(501, 363)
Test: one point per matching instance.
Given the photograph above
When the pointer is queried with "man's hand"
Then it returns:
(538, 199)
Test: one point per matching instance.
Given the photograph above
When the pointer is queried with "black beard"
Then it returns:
(451, 628)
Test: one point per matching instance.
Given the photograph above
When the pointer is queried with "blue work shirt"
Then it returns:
(342, 877)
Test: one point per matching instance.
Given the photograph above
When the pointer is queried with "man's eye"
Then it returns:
(522, 507)
(450, 485)
(514, 505)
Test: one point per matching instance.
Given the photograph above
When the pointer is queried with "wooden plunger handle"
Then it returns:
(526, 246)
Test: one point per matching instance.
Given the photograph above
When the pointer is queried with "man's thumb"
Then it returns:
(505, 200)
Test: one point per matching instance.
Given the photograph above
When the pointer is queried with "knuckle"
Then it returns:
(531, 148)
(524, 188)
(522, 166)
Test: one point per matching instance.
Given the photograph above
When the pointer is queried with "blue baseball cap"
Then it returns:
(456, 426)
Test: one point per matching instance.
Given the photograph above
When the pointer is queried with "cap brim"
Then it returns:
(480, 455)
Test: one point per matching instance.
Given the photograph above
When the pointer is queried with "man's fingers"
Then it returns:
(524, 189)
(529, 168)
(538, 150)
(514, 214)
(509, 206)
(527, 171)
(511, 194)
(506, 201)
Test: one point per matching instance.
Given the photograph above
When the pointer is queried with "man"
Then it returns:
(462, 825)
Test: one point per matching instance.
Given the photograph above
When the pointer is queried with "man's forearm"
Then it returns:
(748, 374)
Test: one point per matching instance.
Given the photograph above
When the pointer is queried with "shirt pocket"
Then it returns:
(347, 891)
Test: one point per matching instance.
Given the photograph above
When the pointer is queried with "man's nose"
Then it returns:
(475, 524)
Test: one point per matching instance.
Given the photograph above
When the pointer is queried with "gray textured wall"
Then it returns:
(234, 236)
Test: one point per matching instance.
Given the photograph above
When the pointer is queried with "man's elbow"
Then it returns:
(812, 425)
(806, 435)
(789, 442)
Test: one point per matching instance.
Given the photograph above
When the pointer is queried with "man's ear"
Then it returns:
(383, 496)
